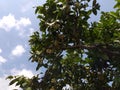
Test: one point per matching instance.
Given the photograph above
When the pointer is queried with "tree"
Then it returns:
(73, 50)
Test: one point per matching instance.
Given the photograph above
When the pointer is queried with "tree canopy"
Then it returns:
(72, 50)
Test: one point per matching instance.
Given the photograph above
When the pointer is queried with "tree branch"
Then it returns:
(95, 46)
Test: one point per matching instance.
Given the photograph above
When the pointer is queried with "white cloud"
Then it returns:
(2, 60)
(0, 50)
(25, 72)
(23, 22)
(4, 85)
(9, 22)
(18, 50)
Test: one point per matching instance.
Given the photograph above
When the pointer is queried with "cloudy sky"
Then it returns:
(17, 22)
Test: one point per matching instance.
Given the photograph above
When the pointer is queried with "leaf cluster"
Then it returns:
(72, 50)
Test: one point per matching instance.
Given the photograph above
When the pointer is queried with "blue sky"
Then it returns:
(17, 22)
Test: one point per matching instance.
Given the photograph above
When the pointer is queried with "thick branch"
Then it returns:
(90, 47)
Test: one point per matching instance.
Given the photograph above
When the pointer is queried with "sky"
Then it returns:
(17, 22)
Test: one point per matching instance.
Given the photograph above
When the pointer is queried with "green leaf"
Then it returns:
(117, 5)
(94, 11)
(13, 81)
(94, 2)
(29, 88)
(38, 66)
(114, 14)
(10, 77)
(24, 84)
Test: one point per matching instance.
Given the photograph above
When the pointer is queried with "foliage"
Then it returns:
(72, 50)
